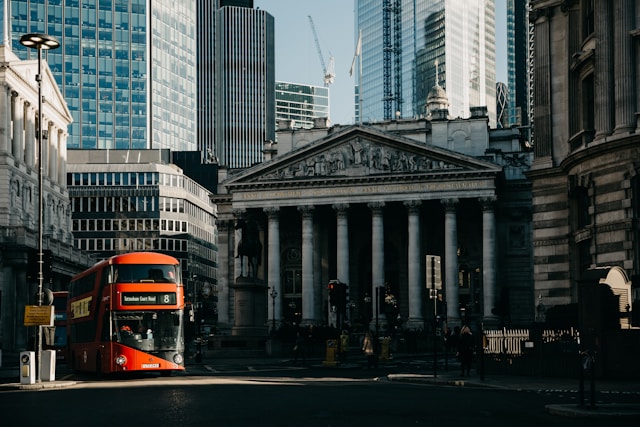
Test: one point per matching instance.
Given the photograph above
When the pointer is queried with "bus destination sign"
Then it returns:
(149, 298)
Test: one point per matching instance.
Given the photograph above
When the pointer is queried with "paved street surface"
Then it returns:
(277, 391)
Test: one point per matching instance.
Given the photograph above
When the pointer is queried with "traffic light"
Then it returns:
(332, 292)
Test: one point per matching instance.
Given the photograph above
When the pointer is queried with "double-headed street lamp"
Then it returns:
(40, 42)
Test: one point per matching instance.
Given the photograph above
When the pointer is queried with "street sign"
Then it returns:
(35, 315)
(434, 275)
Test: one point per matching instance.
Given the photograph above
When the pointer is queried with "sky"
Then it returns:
(297, 58)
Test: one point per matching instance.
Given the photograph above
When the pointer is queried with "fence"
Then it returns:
(527, 352)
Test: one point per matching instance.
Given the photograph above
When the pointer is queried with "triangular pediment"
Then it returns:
(24, 80)
(357, 153)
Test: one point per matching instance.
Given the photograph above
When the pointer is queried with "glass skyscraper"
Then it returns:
(301, 103)
(519, 60)
(236, 96)
(127, 68)
(401, 41)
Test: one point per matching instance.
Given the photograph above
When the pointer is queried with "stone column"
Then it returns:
(62, 162)
(489, 260)
(5, 118)
(415, 288)
(624, 67)
(30, 142)
(308, 301)
(53, 153)
(342, 249)
(451, 261)
(603, 75)
(542, 77)
(273, 273)
(18, 126)
(377, 258)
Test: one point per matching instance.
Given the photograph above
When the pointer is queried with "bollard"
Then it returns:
(384, 350)
(587, 362)
(48, 366)
(199, 351)
(28, 367)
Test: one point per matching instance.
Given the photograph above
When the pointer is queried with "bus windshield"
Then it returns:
(137, 273)
(149, 330)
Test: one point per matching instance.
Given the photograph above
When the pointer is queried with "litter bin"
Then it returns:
(28, 367)
(330, 359)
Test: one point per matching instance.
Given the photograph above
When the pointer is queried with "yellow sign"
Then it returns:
(35, 315)
(81, 308)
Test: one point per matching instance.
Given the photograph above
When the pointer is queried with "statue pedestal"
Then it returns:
(250, 308)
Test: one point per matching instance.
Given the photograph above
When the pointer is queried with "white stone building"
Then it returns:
(368, 204)
(19, 194)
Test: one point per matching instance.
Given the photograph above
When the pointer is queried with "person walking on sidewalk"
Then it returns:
(465, 350)
(370, 350)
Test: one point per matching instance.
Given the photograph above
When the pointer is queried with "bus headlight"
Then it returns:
(177, 359)
(121, 360)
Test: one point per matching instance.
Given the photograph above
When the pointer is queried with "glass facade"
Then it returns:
(415, 33)
(127, 68)
(301, 103)
(518, 62)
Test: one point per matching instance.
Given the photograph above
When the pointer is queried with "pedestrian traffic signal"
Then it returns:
(338, 295)
(332, 292)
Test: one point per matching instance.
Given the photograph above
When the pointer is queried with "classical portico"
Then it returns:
(366, 207)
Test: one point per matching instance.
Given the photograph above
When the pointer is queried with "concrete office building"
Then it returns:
(138, 200)
(236, 77)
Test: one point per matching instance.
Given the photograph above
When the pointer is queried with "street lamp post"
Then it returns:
(274, 295)
(40, 42)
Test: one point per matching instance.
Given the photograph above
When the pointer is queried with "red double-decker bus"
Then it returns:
(126, 314)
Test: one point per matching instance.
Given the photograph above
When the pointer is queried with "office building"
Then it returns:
(300, 104)
(139, 200)
(401, 42)
(127, 69)
(519, 65)
(236, 75)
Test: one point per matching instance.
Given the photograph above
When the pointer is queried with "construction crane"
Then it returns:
(329, 72)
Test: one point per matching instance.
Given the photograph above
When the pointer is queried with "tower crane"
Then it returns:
(329, 72)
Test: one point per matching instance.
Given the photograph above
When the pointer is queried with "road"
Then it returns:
(275, 395)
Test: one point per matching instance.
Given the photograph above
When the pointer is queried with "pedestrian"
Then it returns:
(369, 348)
(299, 348)
(465, 350)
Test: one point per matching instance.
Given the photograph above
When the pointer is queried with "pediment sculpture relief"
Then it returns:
(358, 158)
